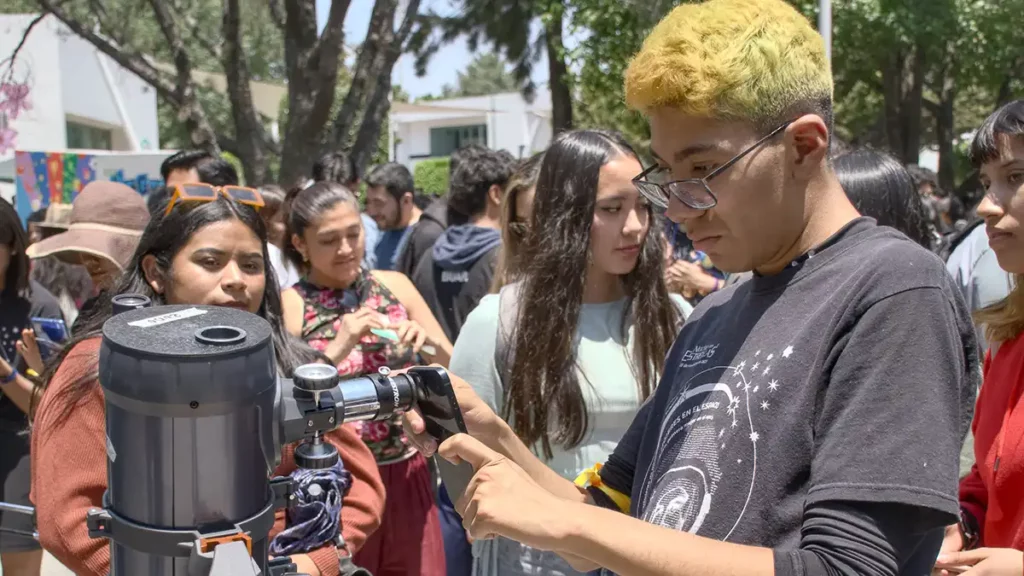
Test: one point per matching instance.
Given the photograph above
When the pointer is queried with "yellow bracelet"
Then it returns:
(32, 373)
(592, 477)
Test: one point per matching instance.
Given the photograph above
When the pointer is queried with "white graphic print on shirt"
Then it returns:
(710, 430)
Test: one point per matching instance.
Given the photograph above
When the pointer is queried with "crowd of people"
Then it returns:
(747, 356)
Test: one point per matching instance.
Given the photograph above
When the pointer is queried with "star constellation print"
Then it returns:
(710, 432)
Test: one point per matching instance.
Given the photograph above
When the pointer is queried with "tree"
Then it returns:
(485, 75)
(275, 40)
(506, 24)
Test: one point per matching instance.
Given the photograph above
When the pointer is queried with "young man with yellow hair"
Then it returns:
(809, 420)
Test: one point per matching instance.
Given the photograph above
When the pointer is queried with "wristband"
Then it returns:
(10, 377)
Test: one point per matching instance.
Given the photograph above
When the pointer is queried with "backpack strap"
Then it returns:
(508, 309)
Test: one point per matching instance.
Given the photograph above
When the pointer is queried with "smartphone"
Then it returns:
(51, 333)
(436, 401)
(53, 329)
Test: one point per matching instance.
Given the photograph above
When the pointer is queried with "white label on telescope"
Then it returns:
(111, 453)
(166, 318)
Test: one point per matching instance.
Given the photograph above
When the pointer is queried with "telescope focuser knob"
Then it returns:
(315, 455)
(315, 377)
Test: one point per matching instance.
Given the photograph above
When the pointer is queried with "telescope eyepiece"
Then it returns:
(126, 302)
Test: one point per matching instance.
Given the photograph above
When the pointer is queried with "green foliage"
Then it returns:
(485, 75)
(237, 164)
(431, 176)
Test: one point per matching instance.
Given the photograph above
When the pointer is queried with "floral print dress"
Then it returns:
(321, 321)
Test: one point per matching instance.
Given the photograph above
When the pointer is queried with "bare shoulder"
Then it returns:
(398, 283)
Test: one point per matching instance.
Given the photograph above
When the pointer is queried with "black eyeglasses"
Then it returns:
(694, 192)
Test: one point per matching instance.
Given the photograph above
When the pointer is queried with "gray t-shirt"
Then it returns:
(850, 376)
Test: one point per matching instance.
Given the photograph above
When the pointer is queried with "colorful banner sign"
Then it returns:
(43, 178)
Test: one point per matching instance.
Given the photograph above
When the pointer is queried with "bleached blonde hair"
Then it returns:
(751, 60)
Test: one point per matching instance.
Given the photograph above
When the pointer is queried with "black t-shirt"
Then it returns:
(15, 315)
(848, 377)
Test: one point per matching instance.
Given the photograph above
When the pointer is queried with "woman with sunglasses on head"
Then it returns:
(200, 251)
(569, 351)
(364, 321)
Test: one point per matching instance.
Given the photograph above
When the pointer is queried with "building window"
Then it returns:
(85, 137)
(444, 141)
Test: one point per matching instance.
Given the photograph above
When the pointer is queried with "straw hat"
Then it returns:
(58, 216)
(107, 220)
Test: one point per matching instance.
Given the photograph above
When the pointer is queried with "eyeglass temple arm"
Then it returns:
(746, 152)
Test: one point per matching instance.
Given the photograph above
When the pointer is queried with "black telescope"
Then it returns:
(196, 415)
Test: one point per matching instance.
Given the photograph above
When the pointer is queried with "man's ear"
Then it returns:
(807, 137)
(408, 199)
(494, 194)
(154, 277)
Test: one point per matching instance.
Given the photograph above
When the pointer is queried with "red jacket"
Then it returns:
(994, 490)
(69, 475)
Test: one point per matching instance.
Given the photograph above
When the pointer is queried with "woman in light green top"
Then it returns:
(569, 350)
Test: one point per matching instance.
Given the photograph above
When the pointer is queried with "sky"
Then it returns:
(443, 67)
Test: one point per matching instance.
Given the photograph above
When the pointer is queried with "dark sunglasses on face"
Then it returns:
(693, 192)
(199, 192)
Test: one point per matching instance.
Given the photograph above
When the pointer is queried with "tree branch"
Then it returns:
(333, 35)
(24, 37)
(127, 59)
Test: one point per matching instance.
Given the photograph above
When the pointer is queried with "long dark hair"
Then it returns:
(306, 206)
(14, 237)
(163, 238)
(882, 188)
(542, 386)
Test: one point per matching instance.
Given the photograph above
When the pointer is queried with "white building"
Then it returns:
(80, 98)
(500, 121)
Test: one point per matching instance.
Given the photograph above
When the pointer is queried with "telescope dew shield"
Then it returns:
(189, 392)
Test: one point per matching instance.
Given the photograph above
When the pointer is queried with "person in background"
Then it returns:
(341, 168)
(363, 321)
(432, 222)
(389, 201)
(516, 208)
(202, 253)
(70, 283)
(274, 213)
(989, 537)
(197, 166)
(809, 419)
(880, 187)
(457, 273)
(569, 352)
(21, 299)
(688, 271)
(107, 219)
(187, 166)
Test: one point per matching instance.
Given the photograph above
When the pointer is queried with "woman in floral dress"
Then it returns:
(364, 321)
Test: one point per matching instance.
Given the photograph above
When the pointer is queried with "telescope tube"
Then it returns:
(189, 391)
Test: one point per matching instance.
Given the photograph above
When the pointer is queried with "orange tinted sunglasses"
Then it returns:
(199, 192)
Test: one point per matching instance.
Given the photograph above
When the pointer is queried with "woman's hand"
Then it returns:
(481, 422)
(29, 350)
(411, 334)
(689, 279)
(354, 326)
(981, 562)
